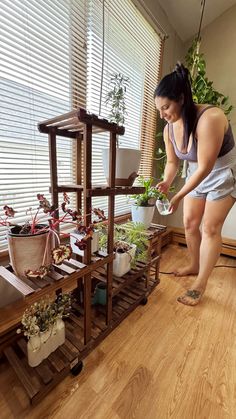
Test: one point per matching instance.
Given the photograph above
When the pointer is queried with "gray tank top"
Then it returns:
(191, 155)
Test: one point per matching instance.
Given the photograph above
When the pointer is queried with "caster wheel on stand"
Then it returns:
(77, 368)
(144, 301)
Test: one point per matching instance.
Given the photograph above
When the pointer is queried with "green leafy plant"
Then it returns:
(134, 233)
(116, 99)
(202, 88)
(150, 195)
(130, 233)
(160, 156)
(41, 315)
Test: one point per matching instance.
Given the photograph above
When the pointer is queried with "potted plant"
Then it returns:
(124, 253)
(130, 245)
(44, 328)
(79, 236)
(127, 160)
(143, 205)
(35, 245)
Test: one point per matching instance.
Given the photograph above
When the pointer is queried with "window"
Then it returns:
(50, 62)
(38, 71)
(136, 54)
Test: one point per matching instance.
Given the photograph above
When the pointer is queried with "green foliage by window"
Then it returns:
(116, 98)
(202, 88)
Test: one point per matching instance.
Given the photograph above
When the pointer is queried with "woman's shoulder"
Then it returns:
(208, 109)
(209, 114)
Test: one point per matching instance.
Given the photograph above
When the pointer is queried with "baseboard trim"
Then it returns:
(228, 245)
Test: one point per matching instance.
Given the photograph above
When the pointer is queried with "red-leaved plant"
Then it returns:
(33, 226)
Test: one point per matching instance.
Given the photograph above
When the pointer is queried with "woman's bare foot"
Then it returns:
(191, 297)
(187, 270)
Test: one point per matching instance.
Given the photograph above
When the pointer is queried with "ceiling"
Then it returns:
(184, 15)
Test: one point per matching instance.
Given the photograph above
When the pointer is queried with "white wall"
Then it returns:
(218, 45)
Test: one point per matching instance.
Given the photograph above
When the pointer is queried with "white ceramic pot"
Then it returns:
(142, 214)
(127, 165)
(122, 261)
(94, 242)
(34, 351)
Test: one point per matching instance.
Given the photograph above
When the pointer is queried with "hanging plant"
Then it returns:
(202, 88)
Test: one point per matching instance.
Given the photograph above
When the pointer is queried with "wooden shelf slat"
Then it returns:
(102, 190)
(23, 375)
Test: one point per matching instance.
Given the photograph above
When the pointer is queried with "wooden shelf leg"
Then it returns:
(87, 308)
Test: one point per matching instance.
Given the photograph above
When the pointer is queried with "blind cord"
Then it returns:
(103, 53)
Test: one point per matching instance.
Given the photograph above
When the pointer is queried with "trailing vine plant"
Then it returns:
(202, 88)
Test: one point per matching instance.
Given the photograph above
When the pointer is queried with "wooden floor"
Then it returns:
(165, 360)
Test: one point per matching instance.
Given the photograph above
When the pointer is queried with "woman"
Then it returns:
(200, 134)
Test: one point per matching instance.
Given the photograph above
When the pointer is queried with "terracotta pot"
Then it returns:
(26, 251)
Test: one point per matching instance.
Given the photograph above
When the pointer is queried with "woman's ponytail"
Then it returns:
(175, 86)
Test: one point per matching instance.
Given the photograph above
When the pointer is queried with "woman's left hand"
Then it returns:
(174, 203)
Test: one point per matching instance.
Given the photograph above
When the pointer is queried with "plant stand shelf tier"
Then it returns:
(61, 278)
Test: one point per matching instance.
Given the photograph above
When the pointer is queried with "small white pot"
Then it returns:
(122, 261)
(142, 214)
(127, 165)
(94, 242)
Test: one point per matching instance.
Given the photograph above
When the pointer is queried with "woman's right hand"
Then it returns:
(163, 187)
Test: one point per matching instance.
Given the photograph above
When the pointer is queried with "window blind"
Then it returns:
(42, 74)
(133, 48)
(51, 62)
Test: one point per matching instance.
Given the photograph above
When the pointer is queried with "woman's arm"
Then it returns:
(210, 134)
(172, 164)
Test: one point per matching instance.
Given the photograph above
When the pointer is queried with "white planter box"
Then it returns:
(34, 351)
(39, 347)
(122, 261)
(94, 242)
(142, 214)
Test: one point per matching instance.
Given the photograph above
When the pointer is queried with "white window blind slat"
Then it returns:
(38, 53)
(51, 62)
(127, 51)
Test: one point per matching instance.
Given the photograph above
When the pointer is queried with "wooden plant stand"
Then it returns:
(88, 325)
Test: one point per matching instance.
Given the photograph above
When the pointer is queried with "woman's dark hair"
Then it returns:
(174, 86)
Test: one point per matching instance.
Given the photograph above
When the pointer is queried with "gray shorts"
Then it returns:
(220, 183)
